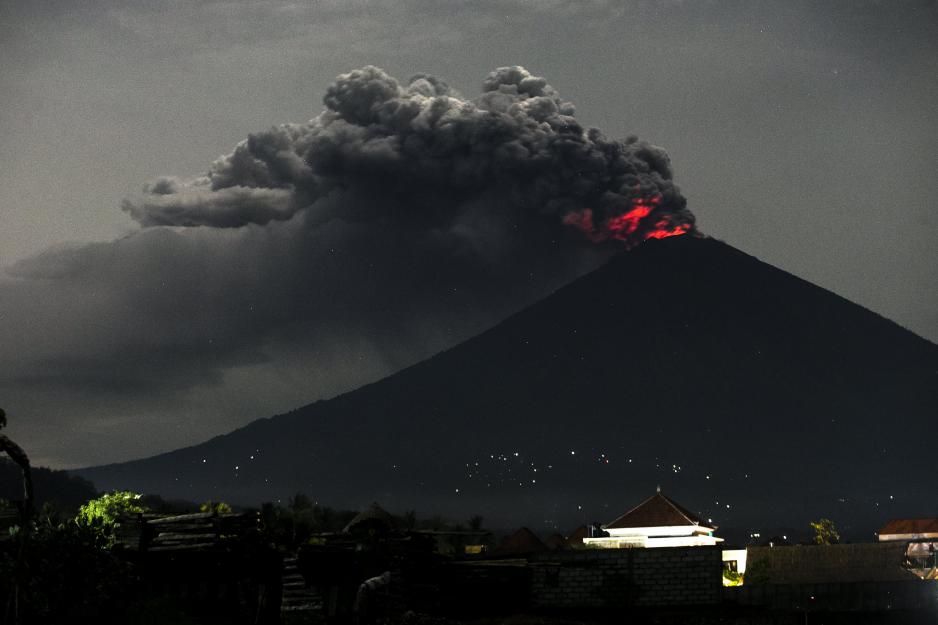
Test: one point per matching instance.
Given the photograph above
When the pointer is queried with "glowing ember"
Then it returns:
(626, 227)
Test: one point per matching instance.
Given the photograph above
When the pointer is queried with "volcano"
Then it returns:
(753, 397)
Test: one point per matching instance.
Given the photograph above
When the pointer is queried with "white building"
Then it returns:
(656, 522)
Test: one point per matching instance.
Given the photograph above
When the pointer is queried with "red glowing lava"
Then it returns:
(624, 227)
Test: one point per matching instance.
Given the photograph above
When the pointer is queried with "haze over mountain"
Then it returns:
(749, 395)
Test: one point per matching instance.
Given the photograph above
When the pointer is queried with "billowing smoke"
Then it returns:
(316, 257)
(421, 154)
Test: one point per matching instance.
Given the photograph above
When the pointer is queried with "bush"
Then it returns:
(66, 572)
(106, 509)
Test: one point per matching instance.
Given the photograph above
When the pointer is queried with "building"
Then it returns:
(921, 537)
(656, 522)
(909, 529)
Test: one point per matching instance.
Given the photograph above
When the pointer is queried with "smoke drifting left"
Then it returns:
(400, 220)
(425, 154)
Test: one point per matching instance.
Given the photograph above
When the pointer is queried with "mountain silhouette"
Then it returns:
(750, 396)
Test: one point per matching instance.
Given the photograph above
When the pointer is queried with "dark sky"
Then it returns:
(802, 134)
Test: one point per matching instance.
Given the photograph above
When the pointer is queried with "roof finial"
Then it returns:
(658, 488)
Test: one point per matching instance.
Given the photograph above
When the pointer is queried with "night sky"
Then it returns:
(164, 282)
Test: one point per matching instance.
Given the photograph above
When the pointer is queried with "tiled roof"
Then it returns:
(372, 516)
(554, 542)
(910, 526)
(657, 511)
(521, 542)
(575, 539)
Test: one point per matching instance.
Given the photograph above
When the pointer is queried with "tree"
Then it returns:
(215, 507)
(16, 453)
(18, 456)
(825, 532)
(106, 509)
(68, 574)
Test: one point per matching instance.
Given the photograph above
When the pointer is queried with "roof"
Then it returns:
(657, 511)
(554, 542)
(522, 541)
(910, 526)
(372, 517)
(575, 539)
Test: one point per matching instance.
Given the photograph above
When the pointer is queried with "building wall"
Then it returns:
(598, 578)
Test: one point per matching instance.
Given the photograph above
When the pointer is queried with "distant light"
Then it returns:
(572, 453)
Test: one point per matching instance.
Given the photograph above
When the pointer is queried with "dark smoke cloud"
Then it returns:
(399, 221)
(424, 153)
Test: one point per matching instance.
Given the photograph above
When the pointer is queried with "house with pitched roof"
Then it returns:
(656, 522)
(921, 539)
(909, 529)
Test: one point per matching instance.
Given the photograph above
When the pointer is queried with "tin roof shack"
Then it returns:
(209, 565)
(863, 578)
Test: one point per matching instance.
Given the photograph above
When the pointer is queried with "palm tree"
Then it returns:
(7, 446)
(19, 456)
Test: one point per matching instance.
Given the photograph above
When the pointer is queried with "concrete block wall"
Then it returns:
(602, 578)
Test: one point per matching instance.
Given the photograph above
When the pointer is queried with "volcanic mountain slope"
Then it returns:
(751, 396)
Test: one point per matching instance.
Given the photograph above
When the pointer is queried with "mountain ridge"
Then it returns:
(664, 317)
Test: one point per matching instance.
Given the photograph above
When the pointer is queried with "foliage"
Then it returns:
(61, 488)
(758, 572)
(825, 532)
(732, 578)
(106, 509)
(67, 574)
(100, 515)
(301, 519)
(408, 520)
(294, 524)
(215, 507)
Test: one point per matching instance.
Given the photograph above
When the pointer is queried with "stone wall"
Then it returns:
(604, 578)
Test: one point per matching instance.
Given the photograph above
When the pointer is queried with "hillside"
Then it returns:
(751, 396)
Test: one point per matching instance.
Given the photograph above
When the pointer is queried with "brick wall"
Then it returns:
(597, 578)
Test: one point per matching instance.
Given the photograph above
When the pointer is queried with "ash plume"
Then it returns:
(317, 257)
(421, 153)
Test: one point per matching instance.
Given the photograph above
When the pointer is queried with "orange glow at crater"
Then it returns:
(625, 227)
